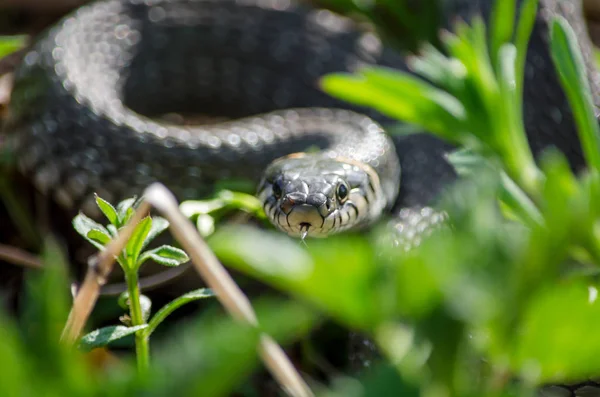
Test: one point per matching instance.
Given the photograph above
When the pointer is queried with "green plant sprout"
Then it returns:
(207, 213)
(133, 256)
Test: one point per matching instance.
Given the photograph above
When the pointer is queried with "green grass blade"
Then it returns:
(501, 26)
(524, 27)
(9, 44)
(400, 96)
(569, 63)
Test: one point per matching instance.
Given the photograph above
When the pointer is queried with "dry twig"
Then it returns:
(19, 257)
(226, 290)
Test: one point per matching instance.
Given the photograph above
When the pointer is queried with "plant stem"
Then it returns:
(142, 349)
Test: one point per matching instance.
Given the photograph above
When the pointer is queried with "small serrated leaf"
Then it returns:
(159, 225)
(128, 215)
(83, 225)
(99, 236)
(112, 229)
(103, 336)
(108, 210)
(123, 207)
(166, 255)
(134, 245)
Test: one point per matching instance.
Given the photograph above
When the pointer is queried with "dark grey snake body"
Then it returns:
(77, 105)
(81, 110)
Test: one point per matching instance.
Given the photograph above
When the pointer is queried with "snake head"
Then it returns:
(315, 195)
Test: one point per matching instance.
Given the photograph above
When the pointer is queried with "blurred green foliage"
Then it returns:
(9, 44)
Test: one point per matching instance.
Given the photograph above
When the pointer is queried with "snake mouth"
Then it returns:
(303, 220)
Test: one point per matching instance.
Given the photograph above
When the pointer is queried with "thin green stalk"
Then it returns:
(170, 307)
(531, 178)
(524, 28)
(520, 203)
(570, 65)
(142, 349)
(514, 147)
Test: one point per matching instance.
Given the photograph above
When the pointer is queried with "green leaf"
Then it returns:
(381, 380)
(170, 307)
(136, 241)
(207, 212)
(108, 210)
(243, 201)
(501, 26)
(9, 44)
(468, 163)
(159, 225)
(112, 229)
(479, 252)
(401, 96)
(123, 300)
(83, 225)
(512, 145)
(569, 63)
(447, 73)
(99, 237)
(165, 255)
(214, 354)
(103, 336)
(339, 280)
(557, 340)
(195, 207)
(527, 17)
(29, 336)
(205, 225)
(146, 306)
(125, 209)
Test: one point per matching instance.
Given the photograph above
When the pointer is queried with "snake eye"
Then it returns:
(342, 192)
(277, 191)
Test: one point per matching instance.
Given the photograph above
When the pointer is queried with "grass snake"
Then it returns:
(84, 112)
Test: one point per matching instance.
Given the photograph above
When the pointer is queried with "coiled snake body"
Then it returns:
(83, 110)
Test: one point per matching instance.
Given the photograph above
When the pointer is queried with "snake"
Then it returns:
(86, 106)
